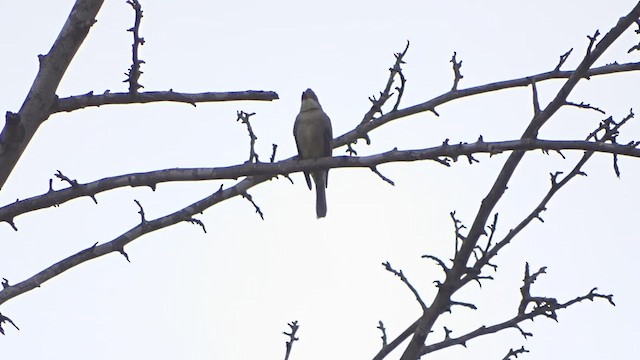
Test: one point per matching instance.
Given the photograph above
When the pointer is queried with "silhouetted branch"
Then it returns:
(384, 333)
(637, 31)
(544, 306)
(42, 95)
(404, 279)
(197, 222)
(118, 244)
(133, 75)
(609, 130)
(430, 105)
(385, 94)
(384, 178)
(459, 269)
(563, 58)
(292, 338)
(243, 117)
(4, 319)
(288, 166)
(77, 102)
(457, 75)
(536, 102)
(586, 106)
(515, 353)
(255, 206)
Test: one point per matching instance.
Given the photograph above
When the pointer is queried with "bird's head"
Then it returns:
(309, 94)
(309, 100)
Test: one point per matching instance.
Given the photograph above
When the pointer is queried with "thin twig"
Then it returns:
(292, 338)
(243, 117)
(404, 279)
(134, 72)
(457, 75)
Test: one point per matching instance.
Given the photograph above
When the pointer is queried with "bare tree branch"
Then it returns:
(563, 58)
(152, 178)
(451, 284)
(430, 105)
(546, 307)
(134, 73)
(73, 103)
(457, 75)
(118, 244)
(515, 353)
(42, 101)
(554, 188)
(404, 279)
(244, 117)
(507, 324)
(382, 329)
(376, 104)
(4, 319)
(35, 109)
(292, 338)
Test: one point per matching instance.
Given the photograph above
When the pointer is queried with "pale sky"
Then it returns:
(229, 293)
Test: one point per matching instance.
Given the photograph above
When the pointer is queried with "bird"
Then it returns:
(314, 137)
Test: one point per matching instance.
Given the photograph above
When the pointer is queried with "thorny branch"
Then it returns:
(582, 105)
(515, 353)
(197, 222)
(89, 99)
(384, 178)
(396, 69)
(17, 133)
(609, 129)
(404, 279)
(4, 319)
(430, 105)
(546, 308)
(118, 244)
(42, 100)
(563, 58)
(536, 102)
(292, 338)
(457, 225)
(457, 75)
(134, 72)
(443, 154)
(382, 329)
(243, 117)
(377, 104)
(255, 206)
(637, 31)
(453, 282)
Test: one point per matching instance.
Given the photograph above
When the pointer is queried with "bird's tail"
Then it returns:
(320, 178)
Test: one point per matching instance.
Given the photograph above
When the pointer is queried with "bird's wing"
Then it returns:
(328, 143)
(295, 136)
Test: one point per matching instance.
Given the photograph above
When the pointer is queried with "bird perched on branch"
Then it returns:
(314, 137)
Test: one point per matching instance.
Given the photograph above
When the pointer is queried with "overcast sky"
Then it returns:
(229, 293)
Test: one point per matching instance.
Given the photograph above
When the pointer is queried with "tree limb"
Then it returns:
(288, 166)
(451, 284)
(77, 102)
(35, 109)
